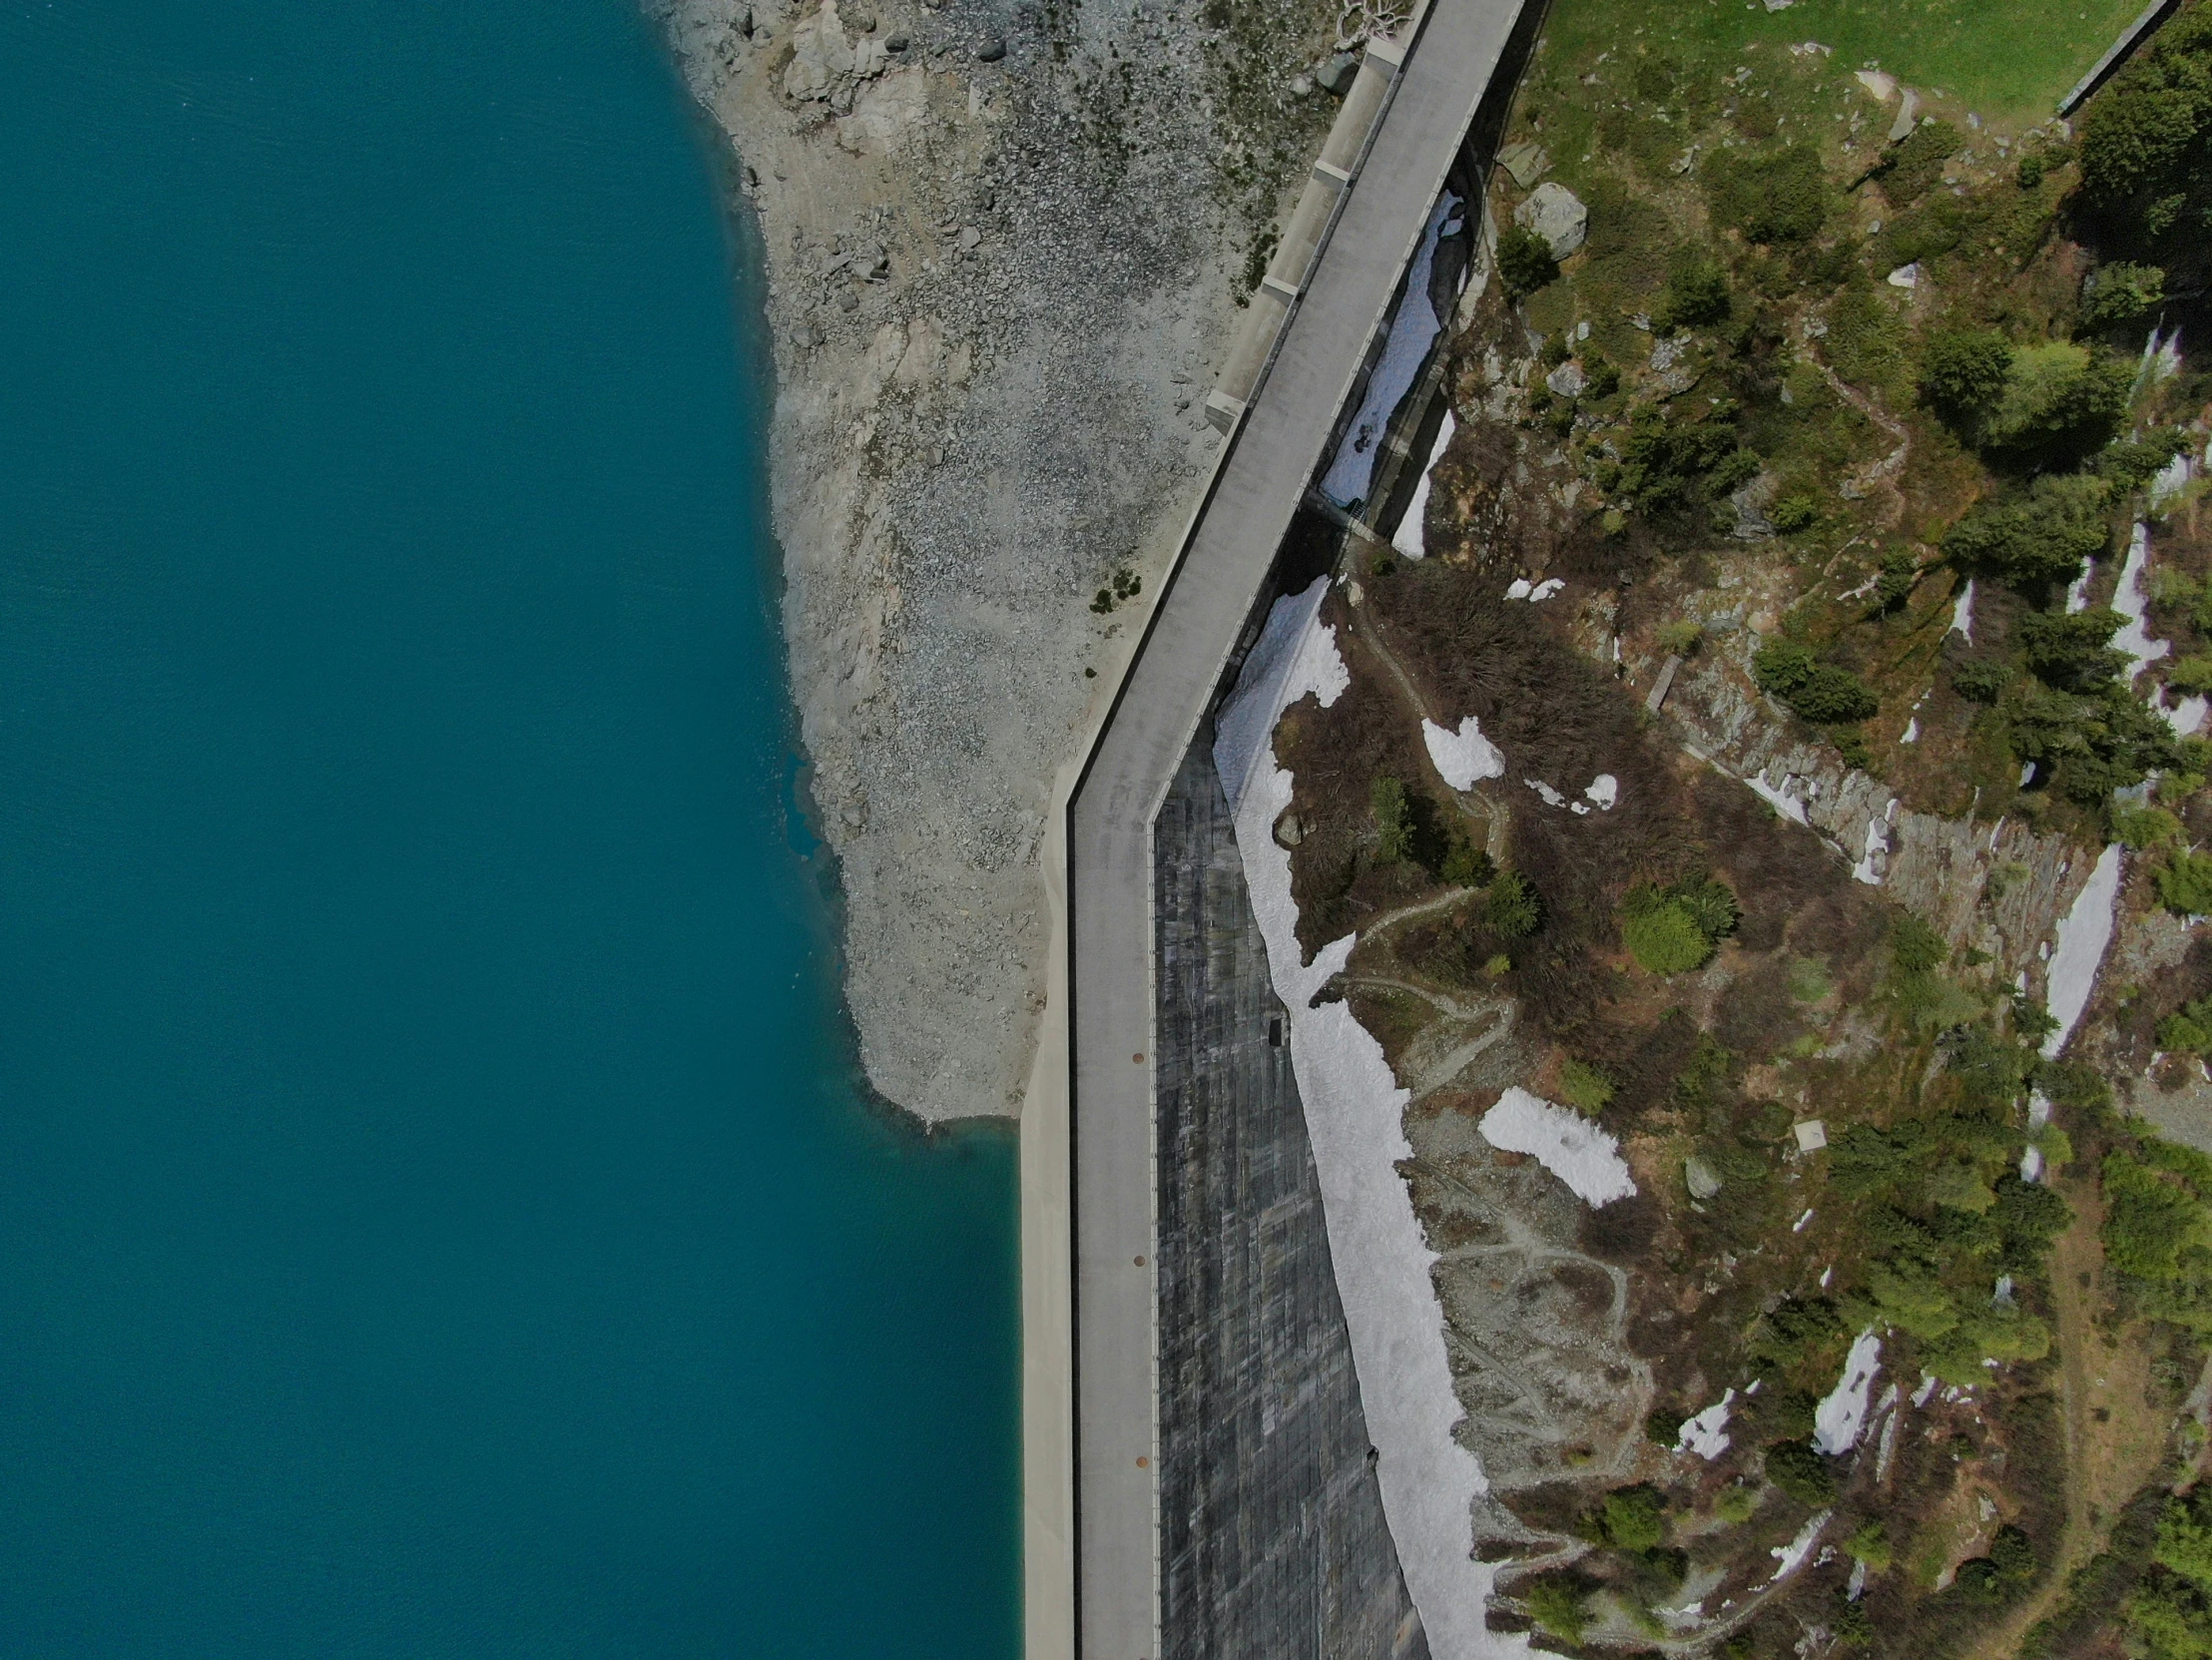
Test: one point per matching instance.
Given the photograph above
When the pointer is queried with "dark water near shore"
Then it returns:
(436, 1218)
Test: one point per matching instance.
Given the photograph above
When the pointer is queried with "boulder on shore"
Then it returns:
(1558, 215)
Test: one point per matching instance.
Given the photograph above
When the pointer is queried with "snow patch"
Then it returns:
(1706, 1433)
(1410, 538)
(1520, 587)
(2129, 599)
(2186, 716)
(1552, 796)
(1792, 1556)
(1838, 1420)
(1464, 756)
(1911, 731)
(2083, 933)
(1789, 805)
(1355, 1120)
(1874, 864)
(1603, 790)
(2161, 359)
(2031, 1164)
(1412, 332)
(1291, 651)
(1563, 1142)
(1961, 611)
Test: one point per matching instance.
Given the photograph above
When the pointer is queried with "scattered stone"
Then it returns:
(1751, 503)
(1301, 85)
(1290, 829)
(897, 43)
(1882, 86)
(847, 300)
(990, 51)
(970, 240)
(1525, 160)
(1558, 215)
(1567, 381)
(807, 336)
(1908, 108)
(820, 58)
(1780, 5)
(1905, 276)
(1701, 1178)
(1334, 76)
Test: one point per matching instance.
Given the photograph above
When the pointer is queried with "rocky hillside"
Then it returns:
(1767, 801)
(1004, 247)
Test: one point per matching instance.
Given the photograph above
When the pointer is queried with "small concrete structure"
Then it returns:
(1811, 1135)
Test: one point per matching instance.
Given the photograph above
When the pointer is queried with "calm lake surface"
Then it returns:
(437, 1215)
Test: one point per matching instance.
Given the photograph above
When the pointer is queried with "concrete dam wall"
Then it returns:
(1273, 1544)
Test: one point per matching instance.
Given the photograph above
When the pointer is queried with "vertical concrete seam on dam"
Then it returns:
(1144, 741)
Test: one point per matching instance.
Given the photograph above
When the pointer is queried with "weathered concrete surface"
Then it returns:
(1272, 1542)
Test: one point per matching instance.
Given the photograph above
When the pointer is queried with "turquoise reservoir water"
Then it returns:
(437, 1214)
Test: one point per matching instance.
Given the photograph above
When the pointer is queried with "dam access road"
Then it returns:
(1449, 62)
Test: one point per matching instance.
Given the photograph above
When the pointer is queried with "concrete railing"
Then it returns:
(2146, 22)
(1309, 224)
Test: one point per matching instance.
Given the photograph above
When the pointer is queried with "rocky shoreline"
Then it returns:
(1005, 249)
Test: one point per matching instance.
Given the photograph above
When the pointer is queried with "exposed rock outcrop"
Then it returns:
(1001, 250)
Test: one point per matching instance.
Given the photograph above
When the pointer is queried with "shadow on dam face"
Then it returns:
(1273, 1543)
